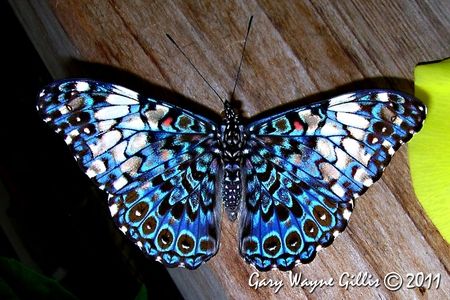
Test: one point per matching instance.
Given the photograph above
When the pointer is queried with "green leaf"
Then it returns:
(20, 282)
(142, 295)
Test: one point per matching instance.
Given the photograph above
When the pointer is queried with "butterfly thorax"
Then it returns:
(231, 140)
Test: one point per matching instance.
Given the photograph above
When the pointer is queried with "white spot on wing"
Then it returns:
(139, 244)
(368, 182)
(383, 97)
(352, 120)
(346, 214)
(63, 109)
(82, 86)
(97, 167)
(342, 99)
(111, 112)
(113, 209)
(357, 133)
(124, 91)
(338, 190)
(342, 159)
(105, 142)
(324, 147)
(132, 165)
(132, 122)
(106, 125)
(329, 172)
(123, 229)
(120, 100)
(120, 183)
(74, 133)
(356, 150)
(330, 128)
(346, 107)
(397, 121)
(362, 177)
(391, 151)
(118, 152)
(388, 146)
(137, 142)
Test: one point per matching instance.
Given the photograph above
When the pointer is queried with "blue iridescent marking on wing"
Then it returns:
(304, 168)
(155, 160)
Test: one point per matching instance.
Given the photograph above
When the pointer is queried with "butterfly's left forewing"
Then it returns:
(155, 160)
(305, 166)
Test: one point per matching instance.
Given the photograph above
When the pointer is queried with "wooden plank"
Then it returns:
(296, 49)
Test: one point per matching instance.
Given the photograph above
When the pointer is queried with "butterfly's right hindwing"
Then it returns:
(155, 160)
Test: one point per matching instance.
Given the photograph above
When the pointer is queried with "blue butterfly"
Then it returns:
(291, 178)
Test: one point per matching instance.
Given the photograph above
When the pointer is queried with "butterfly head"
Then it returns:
(230, 113)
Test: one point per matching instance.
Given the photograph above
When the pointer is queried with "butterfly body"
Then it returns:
(291, 178)
(232, 140)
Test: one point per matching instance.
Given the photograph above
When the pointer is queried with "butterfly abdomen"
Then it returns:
(232, 139)
(232, 191)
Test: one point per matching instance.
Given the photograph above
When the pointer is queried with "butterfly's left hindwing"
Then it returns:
(156, 161)
(304, 167)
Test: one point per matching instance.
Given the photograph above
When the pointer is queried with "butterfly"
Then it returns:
(291, 178)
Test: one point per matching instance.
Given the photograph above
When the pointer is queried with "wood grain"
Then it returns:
(296, 49)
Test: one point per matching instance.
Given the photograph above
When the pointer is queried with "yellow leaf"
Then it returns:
(429, 151)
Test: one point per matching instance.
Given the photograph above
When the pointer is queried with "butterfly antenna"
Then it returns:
(242, 56)
(190, 62)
